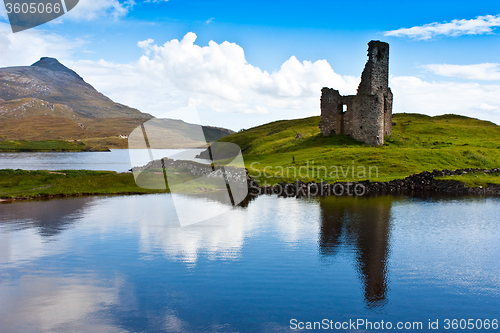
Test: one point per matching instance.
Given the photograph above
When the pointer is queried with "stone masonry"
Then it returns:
(366, 116)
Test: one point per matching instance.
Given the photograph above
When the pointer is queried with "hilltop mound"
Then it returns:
(418, 143)
(410, 130)
(54, 65)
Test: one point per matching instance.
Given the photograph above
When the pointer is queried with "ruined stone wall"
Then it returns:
(331, 117)
(388, 113)
(369, 124)
(375, 76)
(369, 113)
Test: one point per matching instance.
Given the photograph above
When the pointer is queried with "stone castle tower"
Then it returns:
(366, 116)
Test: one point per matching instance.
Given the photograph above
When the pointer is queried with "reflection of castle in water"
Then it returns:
(363, 223)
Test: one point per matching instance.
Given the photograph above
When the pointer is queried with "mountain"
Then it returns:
(51, 81)
(49, 101)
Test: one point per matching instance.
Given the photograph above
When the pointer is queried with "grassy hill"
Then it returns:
(418, 143)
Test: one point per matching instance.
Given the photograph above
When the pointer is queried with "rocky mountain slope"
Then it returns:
(49, 101)
(50, 81)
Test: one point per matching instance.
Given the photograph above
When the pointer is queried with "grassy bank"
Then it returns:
(475, 179)
(418, 143)
(40, 184)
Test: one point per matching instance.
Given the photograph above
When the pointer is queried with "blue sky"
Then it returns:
(269, 59)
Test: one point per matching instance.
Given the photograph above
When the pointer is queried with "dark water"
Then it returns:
(123, 264)
(116, 160)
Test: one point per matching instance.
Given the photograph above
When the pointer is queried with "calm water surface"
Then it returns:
(124, 264)
(116, 160)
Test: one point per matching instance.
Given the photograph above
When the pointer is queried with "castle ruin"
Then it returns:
(366, 116)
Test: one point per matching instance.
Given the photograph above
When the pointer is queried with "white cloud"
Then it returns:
(91, 9)
(414, 95)
(126, 84)
(3, 12)
(219, 76)
(478, 26)
(218, 80)
(27, 47)
(228, 91)
(487, 107)
(485, 71)
(210, 20)
(145, 45)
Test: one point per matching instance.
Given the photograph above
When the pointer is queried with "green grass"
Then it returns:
(418, 143)
(33, 184)
(475, 179)
(41, 146)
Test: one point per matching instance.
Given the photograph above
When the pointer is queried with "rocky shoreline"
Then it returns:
(419, 183)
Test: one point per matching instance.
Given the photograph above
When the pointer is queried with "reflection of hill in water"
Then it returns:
(364, 224)
(48, 217)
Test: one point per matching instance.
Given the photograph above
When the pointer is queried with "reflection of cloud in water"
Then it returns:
(223, 237)
(220, 237)
(17, 247)
(50, 304)
(154, 219)
(295, 220)
(173, 323)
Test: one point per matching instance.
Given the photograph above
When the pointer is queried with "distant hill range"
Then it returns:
(49, 101)
(50, 81)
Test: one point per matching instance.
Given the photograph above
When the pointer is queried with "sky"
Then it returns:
(241, 64)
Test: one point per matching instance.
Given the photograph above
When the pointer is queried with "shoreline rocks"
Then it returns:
(423, 182)
(418, 183)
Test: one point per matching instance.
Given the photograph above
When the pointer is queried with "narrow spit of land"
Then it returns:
(41, 184)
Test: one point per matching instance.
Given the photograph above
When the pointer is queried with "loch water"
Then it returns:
(124, 264)
(117, 160)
